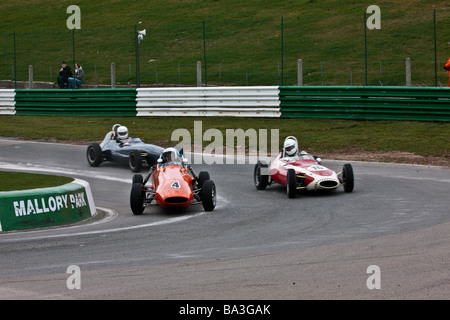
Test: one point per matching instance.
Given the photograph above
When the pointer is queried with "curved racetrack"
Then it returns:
(254, 245)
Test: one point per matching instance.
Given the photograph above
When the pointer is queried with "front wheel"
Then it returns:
(348, 178)
(94, 155)
(291, 186)
(202, 177)
(135, 161)
(136, 199)
(208, 195)
(260, 179)
(138, 178)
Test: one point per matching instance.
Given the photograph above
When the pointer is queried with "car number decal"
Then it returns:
(316, 168)
(175, 184)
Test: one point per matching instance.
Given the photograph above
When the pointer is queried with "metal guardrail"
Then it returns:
(209, 101)
(7, 102)
(387, 103)
(66, 102)
(382, 103)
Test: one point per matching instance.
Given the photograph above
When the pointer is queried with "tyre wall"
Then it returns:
(46, 207)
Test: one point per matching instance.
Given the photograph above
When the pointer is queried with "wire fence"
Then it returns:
(335, 50)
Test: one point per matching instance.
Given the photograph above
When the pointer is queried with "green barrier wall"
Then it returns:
(382, 103)
(46, 207)
(79, 102)
(387, 103)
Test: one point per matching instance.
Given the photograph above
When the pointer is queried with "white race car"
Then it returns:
(302, 172)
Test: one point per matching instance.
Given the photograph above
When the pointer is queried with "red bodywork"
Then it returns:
(173, 186)
(279, 168)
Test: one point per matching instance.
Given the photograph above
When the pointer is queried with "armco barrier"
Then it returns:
(79, 102)
(209, 101)
(46, 207)
(382, 103)
(7, 101)
(388, 103)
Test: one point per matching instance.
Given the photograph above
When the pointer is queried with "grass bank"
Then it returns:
(319, 136)
(13, 181)
(255, 42)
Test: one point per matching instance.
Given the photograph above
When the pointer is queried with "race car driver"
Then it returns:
(171, 156)
(122, 135)
(290, 147)
(447, 67)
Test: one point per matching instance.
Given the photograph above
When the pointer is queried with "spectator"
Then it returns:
(447, 67)
(64, 74)
(78, 78)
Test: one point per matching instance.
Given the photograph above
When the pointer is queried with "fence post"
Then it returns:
(365, 46)
(73, 45)
(204, 52)
(435, 51)
(15, 61)
(30, 77)
(199, 74)
(113, 75)
(282, 51)
(408, 72)
(299, 72)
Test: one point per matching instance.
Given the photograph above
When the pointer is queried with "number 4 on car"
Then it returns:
(172, 184)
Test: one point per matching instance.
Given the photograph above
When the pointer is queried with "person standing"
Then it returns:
(64, 74)
(447, 67)
(78, 77)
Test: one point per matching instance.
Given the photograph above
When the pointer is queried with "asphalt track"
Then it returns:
(254, 245)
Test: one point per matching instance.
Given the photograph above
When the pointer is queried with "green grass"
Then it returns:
(12, 181)
(242, 41)
(314, 135)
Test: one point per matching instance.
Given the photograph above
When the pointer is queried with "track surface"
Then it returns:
(254, 245)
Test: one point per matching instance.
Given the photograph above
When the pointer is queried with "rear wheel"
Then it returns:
(135, 161)
(94, 154)
(137, 199)
(348, 178)
(208, 195)
(261, 180)
(291, 186)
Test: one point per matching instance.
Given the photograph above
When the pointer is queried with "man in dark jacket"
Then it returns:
(64, 75)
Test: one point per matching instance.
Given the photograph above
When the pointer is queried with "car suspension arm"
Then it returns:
(149, 174)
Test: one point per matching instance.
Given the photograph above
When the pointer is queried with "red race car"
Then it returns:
(299, 170)
(173, 185)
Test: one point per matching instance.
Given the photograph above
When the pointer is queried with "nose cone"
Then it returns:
(174, 194)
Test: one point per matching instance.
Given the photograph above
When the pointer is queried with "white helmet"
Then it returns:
(170, 155)
(122, 132)
(290, 147)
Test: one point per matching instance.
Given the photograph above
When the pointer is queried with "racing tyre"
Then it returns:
(202, 177)
(94, 154)
(138, 178)
(209, 195)
(261, 180)
(135, 161)
(291, 186)
(347, 176)
(136, 199)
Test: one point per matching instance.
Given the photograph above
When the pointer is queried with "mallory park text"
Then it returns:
(226, 309)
